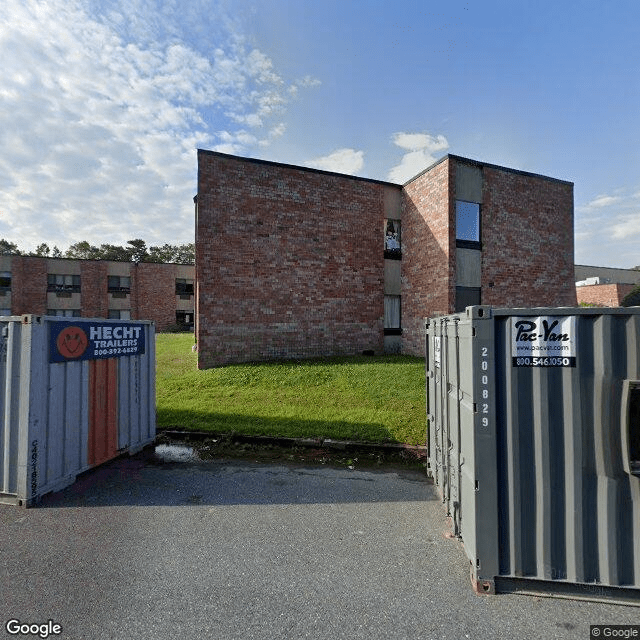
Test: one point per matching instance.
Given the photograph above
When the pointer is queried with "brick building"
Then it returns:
(163, 293)
(294, 262)
(604, 286)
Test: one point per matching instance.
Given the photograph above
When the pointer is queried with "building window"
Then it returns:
(63, 283)
(5, 280)
(119, 314)
(5, 312)
(64, 313)
(467, 224)
(184, 320)
(392, 240)
(392, 316)
(184, 287)
(119, 284)
(467, 297)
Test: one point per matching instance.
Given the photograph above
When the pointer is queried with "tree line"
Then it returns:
(134, 251)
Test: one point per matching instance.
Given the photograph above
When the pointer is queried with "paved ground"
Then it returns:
(233, 549)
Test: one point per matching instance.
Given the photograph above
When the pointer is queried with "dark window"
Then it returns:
(467, 297)
(119, 284)
(61, 283)
(392, 240)
(392, 316)
(184, 320)
(5, 280)
(184, 287)
(64, 313)
(467, 224)
(119, 314)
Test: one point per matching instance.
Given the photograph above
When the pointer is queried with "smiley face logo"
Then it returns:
(72, 342)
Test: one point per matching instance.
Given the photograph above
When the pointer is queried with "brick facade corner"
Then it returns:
(428, 253)
(527, 240)
(153, 293)
(93, 289)
(28, 285)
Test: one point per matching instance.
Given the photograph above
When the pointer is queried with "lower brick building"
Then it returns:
(163, 293)
(293, 262)
(604, 286)
(603, 295)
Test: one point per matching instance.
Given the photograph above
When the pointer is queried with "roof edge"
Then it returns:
(488, 165)
(449, 156)
(285, 165)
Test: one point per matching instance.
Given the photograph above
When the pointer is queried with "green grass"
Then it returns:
(365, 398)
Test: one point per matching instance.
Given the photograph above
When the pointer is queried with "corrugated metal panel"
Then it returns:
(537, 456)
(10, 375)
(66, 405)
(103, 410)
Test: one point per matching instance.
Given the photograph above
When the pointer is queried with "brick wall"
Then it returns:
(289, 262)
(428, 253)
(93, 289)
(603, 295)
(152, 297)
(28, 285)
(527, 240)
(153, 293)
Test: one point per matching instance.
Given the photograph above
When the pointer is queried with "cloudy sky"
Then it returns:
(103, 104)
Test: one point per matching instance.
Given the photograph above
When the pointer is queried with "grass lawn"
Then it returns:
(364, 398)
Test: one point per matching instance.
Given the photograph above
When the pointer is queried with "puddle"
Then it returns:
(176, 453)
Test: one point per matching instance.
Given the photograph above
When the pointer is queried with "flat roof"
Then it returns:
(479, 163)
(63, 258)
(449, 156)
(284, 165)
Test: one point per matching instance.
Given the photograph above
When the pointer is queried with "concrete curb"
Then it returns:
(418, 452)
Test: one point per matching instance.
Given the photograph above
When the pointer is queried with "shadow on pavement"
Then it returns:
(181, 475)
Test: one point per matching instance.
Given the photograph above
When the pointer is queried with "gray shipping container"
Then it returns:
(74, 393)
(534, 445)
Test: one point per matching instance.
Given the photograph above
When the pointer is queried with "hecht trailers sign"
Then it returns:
(77, 340)
(543, 341)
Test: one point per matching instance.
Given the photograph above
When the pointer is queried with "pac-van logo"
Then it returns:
(72, 342)
(544, 341)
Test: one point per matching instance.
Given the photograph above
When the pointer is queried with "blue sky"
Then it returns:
(104, 102)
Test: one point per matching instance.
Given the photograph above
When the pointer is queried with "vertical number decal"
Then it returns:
(484, 388)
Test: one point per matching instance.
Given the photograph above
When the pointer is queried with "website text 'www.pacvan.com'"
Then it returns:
(543, 341)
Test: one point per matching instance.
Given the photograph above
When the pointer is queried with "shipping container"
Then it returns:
(534, 445)
(74, 393)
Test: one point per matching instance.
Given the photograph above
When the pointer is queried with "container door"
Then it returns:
(103, 410)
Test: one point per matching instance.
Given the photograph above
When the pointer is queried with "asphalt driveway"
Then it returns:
(181, 548)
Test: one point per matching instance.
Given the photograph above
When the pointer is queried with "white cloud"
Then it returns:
(609, 221)
(103, 104)
(420, 148)
(420, 141)
(347, 161)
(627, 227)
(603, 201)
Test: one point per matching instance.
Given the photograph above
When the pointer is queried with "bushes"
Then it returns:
(632, 299)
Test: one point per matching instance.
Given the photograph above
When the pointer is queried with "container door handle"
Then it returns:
(630, 426)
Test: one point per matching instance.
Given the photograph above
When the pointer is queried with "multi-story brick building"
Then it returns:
(163, 293)
(294, 262)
